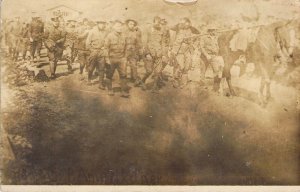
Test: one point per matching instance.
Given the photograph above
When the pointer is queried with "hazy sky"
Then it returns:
(144, 9)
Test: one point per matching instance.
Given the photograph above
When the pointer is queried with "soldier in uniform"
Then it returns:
(133, 48)
(182, 50)
(16, 36)
(55, 37)
(36, 31)
(25, 41)
(8, 36)
(115, 45)
(95, 43)
(153, 53)
(210, 54)
(71, 38)
(165, 48)
(83, 52)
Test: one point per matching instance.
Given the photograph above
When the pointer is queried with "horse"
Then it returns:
(264, 52)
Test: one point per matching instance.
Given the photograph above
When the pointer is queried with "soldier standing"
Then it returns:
(115, 46)
(36, 31)
(182, 50)
(165, 48)
(210, 53)
(55, 37)
(95, 43)
(133, 48)
(25, 42)
(153, 53)
(71, 37)
(83, 52)
(16, 36)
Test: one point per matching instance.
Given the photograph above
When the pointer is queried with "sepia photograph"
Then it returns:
(150, 92)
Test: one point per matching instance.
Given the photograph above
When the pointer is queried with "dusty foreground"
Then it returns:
(65, 132)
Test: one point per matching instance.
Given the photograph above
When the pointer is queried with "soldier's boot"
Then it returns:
(53, 69)
(96, 72)
(124, 90)
(137, 82)
(183, 80)
(101, 80)
(143, 81)
(69, 66)
(216, 85)
(109, 87)
(155, 88)
(81, 68)
(90, 75)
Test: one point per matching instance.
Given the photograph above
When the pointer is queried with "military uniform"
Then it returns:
(153, 53)
(36, 31)
(210, 50)
(54, 42)
(132, 50)
(16, 35)
(182, 50)
(95, 43)
(25, 42)
(71, 38)
(115, 46)
(80, 45)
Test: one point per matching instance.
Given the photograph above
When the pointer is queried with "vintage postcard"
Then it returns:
(150, 93)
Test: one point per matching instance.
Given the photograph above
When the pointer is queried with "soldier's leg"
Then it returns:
(178, 70)
(52, 63)
(185, 68)
(38, 49)
(110, 73)
(156, 73)
(148, 67)
(33, 46)
(101, 68)
(121, 67)
(82, 59)
(91, 65)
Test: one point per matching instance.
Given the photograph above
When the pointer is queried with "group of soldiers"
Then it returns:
(105, 47)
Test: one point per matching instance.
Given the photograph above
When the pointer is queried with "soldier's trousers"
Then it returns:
(183, 64)
(54, 55)
(132, 63)
(83, 56)
(118, 64)
(155, 66)
(217, 64)
(35, 46)
(96, 60)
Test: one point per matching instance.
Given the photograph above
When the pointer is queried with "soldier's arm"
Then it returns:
(202, 48)
(63, 37)
(83, 35)
(89, 39)
(46, 33)
(139, 40)
(175, 28)
(42, 28)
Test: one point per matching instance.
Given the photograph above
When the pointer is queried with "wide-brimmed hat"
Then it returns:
(163, 21)
(131, 20)
(55, 19)
(98, 22)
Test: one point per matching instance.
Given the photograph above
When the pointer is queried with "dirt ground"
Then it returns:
(65, 132)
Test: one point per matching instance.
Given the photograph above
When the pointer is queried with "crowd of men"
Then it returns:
(110, 46)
